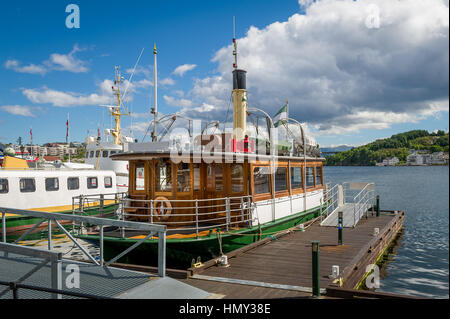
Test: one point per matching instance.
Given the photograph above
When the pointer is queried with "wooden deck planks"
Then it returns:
(287, 260)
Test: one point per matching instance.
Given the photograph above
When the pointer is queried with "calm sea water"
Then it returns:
(419, 265)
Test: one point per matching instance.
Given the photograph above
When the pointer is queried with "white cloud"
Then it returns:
(64, 99)
(182, 69)
(67, 99)
(167, 81)
(177, 102)
(339, 74)
(18, 110)
(140, 70)
(31, 68)
(56, 61)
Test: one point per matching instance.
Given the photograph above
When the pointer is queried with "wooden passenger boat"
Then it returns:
(213, 208)
(216, 193)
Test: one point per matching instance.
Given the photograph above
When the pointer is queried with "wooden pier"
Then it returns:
(280, 266)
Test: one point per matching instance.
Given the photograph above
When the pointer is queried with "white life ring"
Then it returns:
(162, 208)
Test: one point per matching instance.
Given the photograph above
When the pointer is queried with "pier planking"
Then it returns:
(286, 260)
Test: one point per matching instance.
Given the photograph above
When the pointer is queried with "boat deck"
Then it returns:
(281, 267)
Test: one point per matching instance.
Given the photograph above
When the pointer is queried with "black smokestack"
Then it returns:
(239, 79)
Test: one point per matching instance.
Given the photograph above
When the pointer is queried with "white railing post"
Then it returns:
(242, 209)
(249, 211)
(151, 211)
(4, 227)
(49, 229)
(122, 212)
(162, 254)
(81, 210)
(227, 207)
(101, 246)
(196, 218)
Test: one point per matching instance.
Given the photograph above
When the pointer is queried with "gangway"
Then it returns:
(354, 200)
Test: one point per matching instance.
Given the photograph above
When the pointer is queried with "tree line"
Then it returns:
(397, 145)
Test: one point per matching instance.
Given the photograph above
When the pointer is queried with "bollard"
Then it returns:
(315, 269)
(378, 205)
(340, 226)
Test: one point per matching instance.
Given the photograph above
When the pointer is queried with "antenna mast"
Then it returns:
(239, 95)
(155, 82)
(235, 44)
(115, 111)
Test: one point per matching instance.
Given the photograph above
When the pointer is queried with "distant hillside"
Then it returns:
(397, 145)
(336, 149)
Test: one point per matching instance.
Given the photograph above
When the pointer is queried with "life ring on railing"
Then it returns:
(162, 208)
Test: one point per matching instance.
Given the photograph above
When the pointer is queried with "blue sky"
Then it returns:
(40, 59)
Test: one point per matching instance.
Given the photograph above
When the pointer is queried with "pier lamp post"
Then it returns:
(378, 205)
(340, 226)
(315, 269)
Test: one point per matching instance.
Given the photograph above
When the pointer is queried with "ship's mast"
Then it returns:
(155, 109)
(115, 110)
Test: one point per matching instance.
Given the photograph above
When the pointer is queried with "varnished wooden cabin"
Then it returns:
(195, 190)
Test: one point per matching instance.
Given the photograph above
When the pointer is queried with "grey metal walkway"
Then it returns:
(100, 281)
(349, 218)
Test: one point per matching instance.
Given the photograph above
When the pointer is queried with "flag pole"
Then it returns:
(67, 136)
(31, 137)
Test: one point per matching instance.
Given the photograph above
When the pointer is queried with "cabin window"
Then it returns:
(87, 154)
(139, 177)
(3, 186)
(73, 183)
(105, 154)
(112, 152)
(183, 178)
(51, 184)
(237, 178)
(296, 177)
(164, 176)
(92, 182)
(310, 177)
(27, 185)
(108, 182)
(91, 154)
(214, 180)
(318, 175)
(218, 173)
(218, 178)
(196, 177)
(97, 153)
(281, 179)
(261, 180)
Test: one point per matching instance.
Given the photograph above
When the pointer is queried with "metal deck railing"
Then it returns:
(330, 200)
(47, 256)
(58, 218)
(194, 215)
(362, 196)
